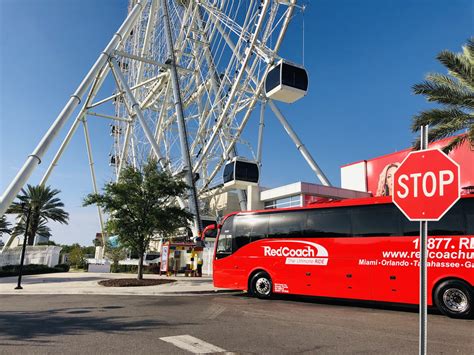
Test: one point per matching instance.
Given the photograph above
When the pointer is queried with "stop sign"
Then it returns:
(426, 185)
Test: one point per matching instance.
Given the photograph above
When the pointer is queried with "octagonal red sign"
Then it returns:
(426, 185)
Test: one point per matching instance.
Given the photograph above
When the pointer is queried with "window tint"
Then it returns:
(249, 228)
(229, 172)
(246, 171)
(381, 220)
(468, 206)
(291, 201)
(410, 228)
(287, 224)
(452, 223)
(294, 77)
(273, 79)
(224, 243)
(328, 223)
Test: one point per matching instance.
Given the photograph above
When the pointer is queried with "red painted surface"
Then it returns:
(379, 169)
(426, 185)
(366, 268)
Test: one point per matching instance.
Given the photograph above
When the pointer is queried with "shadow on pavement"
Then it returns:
(34, 326)
(397, 307)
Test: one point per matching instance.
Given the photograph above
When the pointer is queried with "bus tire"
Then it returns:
(454, 298)
(261, 285)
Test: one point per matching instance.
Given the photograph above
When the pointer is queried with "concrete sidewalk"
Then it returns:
(77, 283)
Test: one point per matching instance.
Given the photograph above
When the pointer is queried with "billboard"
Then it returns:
(378, 174)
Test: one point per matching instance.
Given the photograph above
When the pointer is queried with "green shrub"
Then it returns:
(152, 269)
(31, 269)
(123, 268)
(62, 267)
(132, 269)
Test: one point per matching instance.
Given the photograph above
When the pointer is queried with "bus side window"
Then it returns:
(224, 246)
(328, 223)
(250, 228)
(224, 243)
(373, 221)
(452, 223)
(287, 224)
(410, 228)
(468, 208)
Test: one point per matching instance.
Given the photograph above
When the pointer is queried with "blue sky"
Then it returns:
(362, 58)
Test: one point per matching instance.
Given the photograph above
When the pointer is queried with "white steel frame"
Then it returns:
(188, 76)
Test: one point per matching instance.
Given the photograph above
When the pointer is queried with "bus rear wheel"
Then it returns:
(454, 298)
(261, 285)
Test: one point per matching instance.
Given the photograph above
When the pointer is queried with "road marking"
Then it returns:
(192, 344)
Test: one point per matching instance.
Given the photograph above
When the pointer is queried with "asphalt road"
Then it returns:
(234, 323)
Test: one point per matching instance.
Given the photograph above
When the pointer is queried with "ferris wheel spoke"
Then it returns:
(234, 86)
(222, 52)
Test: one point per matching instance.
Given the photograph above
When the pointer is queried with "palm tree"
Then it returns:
(43, 205)
(4, 226)
(42, 230)
(455, 93)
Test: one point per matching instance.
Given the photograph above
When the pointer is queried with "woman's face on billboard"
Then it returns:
(390, 173)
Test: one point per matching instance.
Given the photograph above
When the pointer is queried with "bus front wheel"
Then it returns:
(261, 285)
(454, 298)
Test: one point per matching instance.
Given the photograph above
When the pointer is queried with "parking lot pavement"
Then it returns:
(218, 323)
(72, 283)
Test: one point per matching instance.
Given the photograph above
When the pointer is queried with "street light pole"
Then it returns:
(23, 250)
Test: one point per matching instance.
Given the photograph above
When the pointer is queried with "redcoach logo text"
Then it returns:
(286, 251)
(297, 252)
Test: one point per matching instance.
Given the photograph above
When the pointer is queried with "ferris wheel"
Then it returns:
(223, 52)
(188, 75)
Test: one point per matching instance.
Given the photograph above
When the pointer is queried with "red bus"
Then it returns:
(361, 249)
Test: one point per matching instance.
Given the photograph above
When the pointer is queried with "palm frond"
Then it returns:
(42, 229)
(437, 116)
(459, 66)
(444, 130)
(470, 135)
(468, 50)
(43, 205)
(4, 225)
(454, 143)
(456, 91)
(444, 91)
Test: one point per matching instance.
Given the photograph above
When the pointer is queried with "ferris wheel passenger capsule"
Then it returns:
(240, 173)
(114, 160)
(286, 82)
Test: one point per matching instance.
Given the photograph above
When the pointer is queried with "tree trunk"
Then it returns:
(140, 267)
(31, 239)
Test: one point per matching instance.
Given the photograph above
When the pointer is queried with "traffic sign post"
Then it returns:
(425, 187)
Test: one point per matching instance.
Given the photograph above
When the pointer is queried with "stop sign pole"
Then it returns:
(423, 327)
(425, 187)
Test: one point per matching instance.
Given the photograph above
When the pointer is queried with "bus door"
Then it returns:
(224, 264)
(248, 230)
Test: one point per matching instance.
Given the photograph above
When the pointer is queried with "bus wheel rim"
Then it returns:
(455, 300)
(263, 286)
